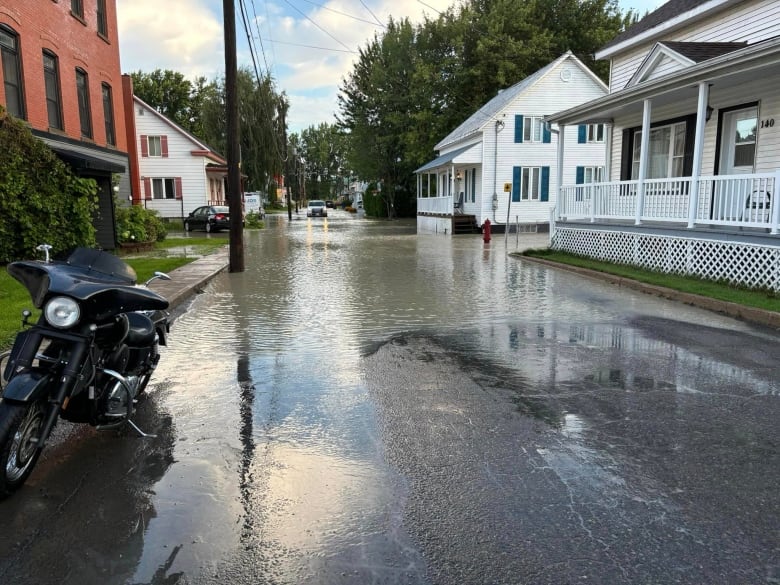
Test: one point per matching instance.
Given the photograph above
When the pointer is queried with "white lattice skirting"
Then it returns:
(749, 265)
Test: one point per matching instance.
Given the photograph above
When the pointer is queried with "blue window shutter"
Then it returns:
(580, 176)
(546, 134)
(519, 128)
(516, 172)
(582, 134)
(545, 194)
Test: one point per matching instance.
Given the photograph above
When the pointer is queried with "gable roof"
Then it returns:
(664, 18)
(488, 112)
(684, 54)
(202, 149)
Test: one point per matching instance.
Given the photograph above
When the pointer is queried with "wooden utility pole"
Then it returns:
(235, 197)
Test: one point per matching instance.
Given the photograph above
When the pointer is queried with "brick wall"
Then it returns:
(49, 24)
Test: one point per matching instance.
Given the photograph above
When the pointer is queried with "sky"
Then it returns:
(309, 46)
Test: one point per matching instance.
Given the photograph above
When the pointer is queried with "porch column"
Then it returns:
(698, 149)
(645, 146)
(561, 200)
(775, 206)
(452, 186)
(608, 152)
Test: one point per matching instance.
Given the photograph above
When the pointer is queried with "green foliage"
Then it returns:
(41, 200)
(174, 96)
(135, 223)
(253, 221)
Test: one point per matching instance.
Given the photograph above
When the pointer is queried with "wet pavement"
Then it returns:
(364, 405)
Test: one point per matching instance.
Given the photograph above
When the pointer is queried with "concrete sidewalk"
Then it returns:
(188, 279)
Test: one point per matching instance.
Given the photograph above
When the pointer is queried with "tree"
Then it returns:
(41, 200)
(171, 94)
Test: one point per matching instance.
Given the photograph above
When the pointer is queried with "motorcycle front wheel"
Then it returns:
(20, 425)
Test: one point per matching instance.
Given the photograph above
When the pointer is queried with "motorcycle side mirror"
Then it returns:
(157, 274)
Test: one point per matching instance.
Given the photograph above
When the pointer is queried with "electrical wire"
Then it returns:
(371, 22)
(371, 13)
(306, 16)
(311, 46)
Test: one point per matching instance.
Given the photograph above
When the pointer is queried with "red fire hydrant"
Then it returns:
(486, 231)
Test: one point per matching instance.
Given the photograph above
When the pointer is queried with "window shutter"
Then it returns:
(546, 133)
(545, 194)
(516, 173)
(179, 193)
(144, 145)
(164, 145)
(147, 188)
(519, 128)
(625, 156)
(473, 185)
(582, 134)
(580, 176)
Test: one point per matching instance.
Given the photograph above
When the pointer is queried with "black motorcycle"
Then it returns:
(87, 359)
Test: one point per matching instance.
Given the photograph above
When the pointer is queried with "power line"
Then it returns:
(371, 22)
(275, 41)
(371, 13)
(306, 16)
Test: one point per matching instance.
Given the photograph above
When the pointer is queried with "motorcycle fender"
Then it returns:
(27, 386)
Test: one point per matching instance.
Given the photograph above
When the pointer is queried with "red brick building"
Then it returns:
(60, 72)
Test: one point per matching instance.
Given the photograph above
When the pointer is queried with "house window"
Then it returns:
(164, 188)
(532, 129)
(108, 114)
(530, 184)
(51, 79)
(85, 116)
(102, 21)
(593, 174)
(595, 133)
(155, 145)
(77, 8)
(12, 72)
(666, 155)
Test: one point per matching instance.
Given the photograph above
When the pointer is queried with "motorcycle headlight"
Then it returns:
(62, 312)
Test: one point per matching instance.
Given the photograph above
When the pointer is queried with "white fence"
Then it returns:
(732, 200)
(441, 205)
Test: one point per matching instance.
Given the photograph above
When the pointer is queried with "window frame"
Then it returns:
(164, 183)
(51, 75)
(149, 145)
(595, 134)
(77, 9)
(17, 87)
(532, 129)
(85, 107)
(108, 113)
(675, 162)
(530, 183)
(102, 19)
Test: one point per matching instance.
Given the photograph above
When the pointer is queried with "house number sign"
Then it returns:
(769, 123)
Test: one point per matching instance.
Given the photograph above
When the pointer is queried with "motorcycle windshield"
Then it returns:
(99, 264)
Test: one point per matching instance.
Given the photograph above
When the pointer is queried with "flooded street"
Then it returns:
(365, 405)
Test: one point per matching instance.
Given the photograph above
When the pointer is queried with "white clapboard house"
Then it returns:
(692, 183)
(177, 172)
(501, 163)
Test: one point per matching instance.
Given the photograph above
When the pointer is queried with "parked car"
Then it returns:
(329, 204)
(316, 207)
(211, 218)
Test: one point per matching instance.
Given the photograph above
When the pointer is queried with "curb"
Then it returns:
(188, 279)
(749, 314)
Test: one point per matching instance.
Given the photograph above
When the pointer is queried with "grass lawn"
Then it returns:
(707, 288)
(166, 256)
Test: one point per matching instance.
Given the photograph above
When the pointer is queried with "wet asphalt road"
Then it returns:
(364, 405)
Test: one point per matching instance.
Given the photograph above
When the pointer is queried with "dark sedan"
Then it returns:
(211, 218)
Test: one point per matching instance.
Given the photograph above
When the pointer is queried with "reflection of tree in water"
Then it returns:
(247, 439)
(161, 578)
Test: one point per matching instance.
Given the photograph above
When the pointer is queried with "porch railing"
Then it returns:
(440, 205)
(731, 200)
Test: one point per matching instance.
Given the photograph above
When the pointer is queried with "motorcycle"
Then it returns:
(87, 359)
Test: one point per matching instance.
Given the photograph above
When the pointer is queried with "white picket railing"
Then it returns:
(442, 205)
(732, 200)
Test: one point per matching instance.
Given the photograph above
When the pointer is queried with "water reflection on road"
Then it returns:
(290, 463)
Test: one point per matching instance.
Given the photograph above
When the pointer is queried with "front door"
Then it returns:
(737, 157)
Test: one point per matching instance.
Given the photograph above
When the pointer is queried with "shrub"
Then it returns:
(253, 220)
(135, 223)
(41, 200)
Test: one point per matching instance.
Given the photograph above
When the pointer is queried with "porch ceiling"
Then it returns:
(760, 60)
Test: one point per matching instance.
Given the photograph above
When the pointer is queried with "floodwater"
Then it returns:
(366, 405)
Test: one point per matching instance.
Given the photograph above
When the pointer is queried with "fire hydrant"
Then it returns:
(486, 231)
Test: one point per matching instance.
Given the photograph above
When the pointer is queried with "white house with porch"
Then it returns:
(177, 171)
(501, 164)
(693, 119)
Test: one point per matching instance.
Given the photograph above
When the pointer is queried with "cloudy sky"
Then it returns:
(308, 45)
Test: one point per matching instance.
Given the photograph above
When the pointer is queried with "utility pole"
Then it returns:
(233, 152)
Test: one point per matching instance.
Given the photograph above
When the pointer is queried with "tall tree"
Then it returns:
(168, 92)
